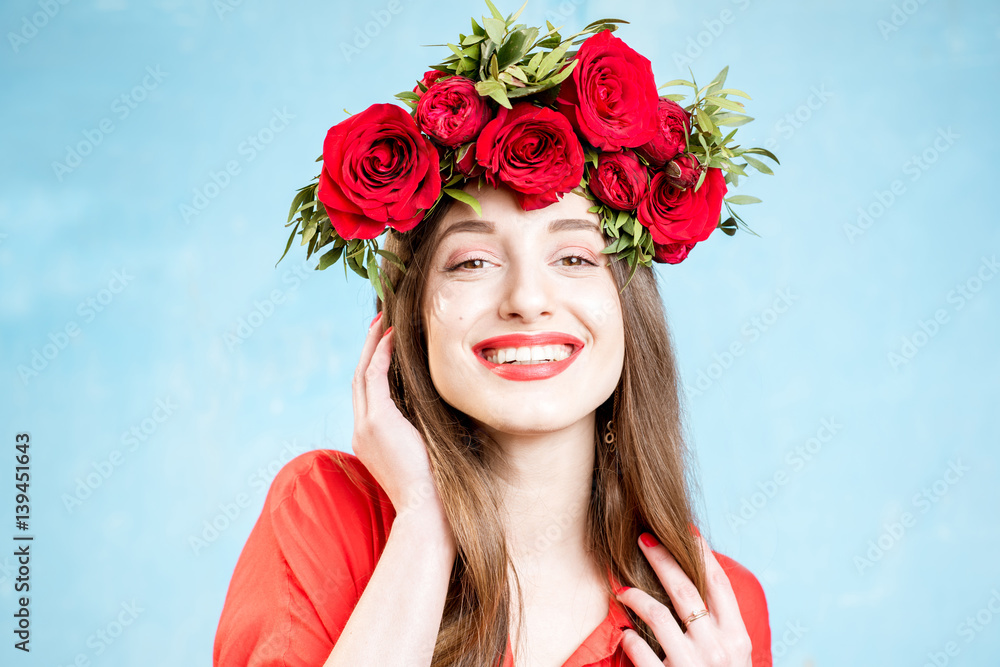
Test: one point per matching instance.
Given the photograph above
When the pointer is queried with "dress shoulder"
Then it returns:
(753, 608)
(305, 564)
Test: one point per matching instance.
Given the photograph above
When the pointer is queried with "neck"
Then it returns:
(547, 479)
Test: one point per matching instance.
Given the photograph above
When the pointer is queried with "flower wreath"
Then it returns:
(514, 106)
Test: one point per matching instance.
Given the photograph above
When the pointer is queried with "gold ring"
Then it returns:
(695, 616)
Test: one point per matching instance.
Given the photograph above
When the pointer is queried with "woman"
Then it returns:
(328, 577)
(518, 493)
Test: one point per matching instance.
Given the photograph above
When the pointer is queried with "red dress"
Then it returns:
(313, 550)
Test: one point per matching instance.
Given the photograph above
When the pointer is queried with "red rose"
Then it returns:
(683, 171)
(378, 171)
(673, 215)
(430, 76)
(619, 181)
(672, 253)
(534, 151)
(610, 98)
(671, 136)
(452, 112)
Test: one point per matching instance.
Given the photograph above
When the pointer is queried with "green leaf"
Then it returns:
(289, 244)
(392, 258)
(477, 29)
(495, 28)
(496, 90)
(552, 59)
(308, 231)
(515, 47)
(762, 151)
(375, 277)
(729, 226)
(598, 22)
(724, 103)
(532, 66)
(614, 247)
(719, 79)
(563, 74)
(733, 91)
(732, 119)
(465, 198)
(302, 196)
(701, 178)
(635, 267)
(704, 121)
(701, 140)
(329, 257)
(496, 13)
(742, 199)
(473, 39)
(678, 82)
(407, 95)
(513, 17)
(758, 165)
(517, 73)
(737, 168)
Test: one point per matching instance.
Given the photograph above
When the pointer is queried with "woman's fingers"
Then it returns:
(682, 591)
(376, 377)
(358, 391)
(718, 638)
(661, 622)
(639, 652)
(721, 597)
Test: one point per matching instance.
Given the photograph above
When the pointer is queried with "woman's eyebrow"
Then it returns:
(489, 227)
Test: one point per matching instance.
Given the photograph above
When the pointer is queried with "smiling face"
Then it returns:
(522, 315)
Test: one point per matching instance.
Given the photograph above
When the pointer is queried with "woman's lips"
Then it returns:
(524, 372)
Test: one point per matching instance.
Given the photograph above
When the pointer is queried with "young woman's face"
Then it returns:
(523, 319)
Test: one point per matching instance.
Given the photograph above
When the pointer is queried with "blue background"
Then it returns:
(814, 443)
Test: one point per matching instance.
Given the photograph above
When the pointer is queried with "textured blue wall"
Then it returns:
(859, 486)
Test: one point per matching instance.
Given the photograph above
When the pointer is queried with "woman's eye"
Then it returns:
(473, 263)
(583, 261)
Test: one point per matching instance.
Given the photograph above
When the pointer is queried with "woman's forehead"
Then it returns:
(501, 213)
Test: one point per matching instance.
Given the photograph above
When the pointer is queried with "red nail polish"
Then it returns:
(375, 319)
(648, 540)
(386, 332)
(622, 590)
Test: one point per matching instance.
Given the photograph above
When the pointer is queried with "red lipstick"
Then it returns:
(523, 372)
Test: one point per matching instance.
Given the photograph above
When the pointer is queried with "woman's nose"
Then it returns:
(527, 294)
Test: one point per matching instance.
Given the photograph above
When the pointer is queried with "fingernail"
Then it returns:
(375, 319)
(694, 530)
(648, 540)
(386, 332)
(622, 590)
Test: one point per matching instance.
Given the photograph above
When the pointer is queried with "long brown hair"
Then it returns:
(643, 486)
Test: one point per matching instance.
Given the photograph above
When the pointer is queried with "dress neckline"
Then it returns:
(601, 643)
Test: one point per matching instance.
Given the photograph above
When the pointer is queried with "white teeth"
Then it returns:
(529, 355)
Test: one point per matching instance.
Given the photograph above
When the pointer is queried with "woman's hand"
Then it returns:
(718, 639)
(384, 440)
